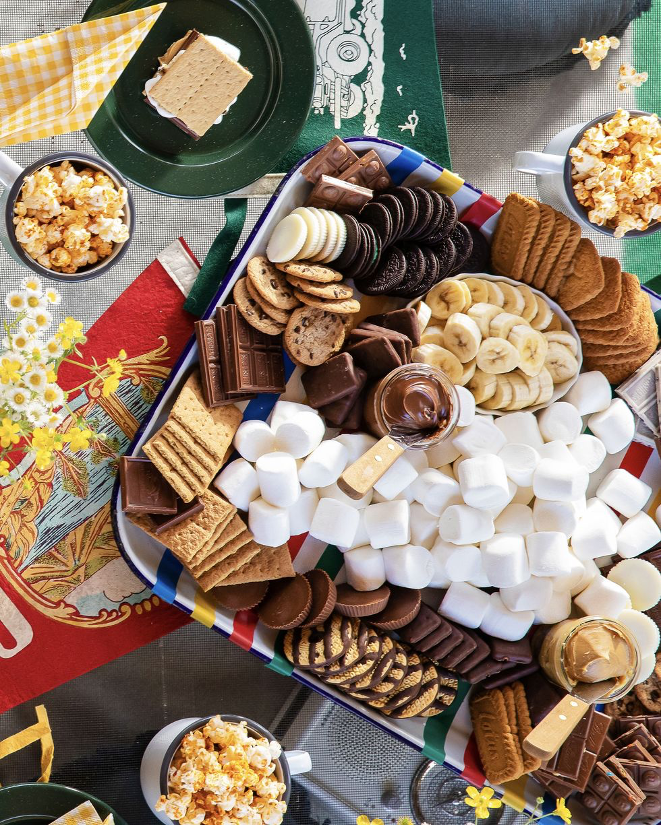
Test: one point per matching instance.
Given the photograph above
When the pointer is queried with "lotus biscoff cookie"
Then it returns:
(514, 235)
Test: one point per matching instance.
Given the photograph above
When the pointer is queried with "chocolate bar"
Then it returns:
(556, 787)
(622, 724)
(368, 171)
(401, 344)
(184, 511)
(402, 321)
(575, 760)
(252, 361)
(458, 654)
(608, 799)
(336, 413)
(541, 695)
(634, 751)
(646, 777)
(332, 159)
(518, 651)
(637, 734)
(514, 672)
(375, 355)
(211, 370)
(333, 380)
(423, 624)
(143, 488)
(480, 653)
(337, 195)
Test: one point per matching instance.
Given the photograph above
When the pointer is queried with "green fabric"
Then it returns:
(218, 257)
(436, 728)
(642, 255)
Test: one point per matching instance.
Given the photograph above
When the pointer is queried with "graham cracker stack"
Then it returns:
(199, 85)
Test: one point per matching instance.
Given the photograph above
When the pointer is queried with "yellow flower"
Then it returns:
(28, 485)
(562, 810)
(79, 439)
(70, 329)
(481, 801)
(9, 371)
(9, 433)
(364, 820)
(44, 459)
(51, 376)
(4, 468)
(405, 821)
(47, 439)
(110, 385)
(115, 366)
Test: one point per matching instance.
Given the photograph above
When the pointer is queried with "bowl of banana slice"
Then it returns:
(508, 343)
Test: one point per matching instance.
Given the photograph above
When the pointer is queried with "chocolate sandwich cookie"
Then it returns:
(479, 258)
(407, 690)
(463, 243)
(374, 255)
(423, 624)
(398, 215)
(390, 273)
(416, 271)
(351, 248)
(391, 681)
(365, 256)
(450, 215)
(240, 597)
(409, 207)
(353, 603)
(379, 218)
(323, 590)
(287, 603)
(425, 212)
(403, 605)
(362, 667)
(445, 252)
(427, 694)
(438, 211)
(431, 276)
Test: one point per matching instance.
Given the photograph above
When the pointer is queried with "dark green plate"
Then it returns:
(45, 802)
(258, 129)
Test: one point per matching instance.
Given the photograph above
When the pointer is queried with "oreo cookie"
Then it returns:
(364, 254)
(463, 242)
(374, 258)
(351, 248)
(394, 206)
(416, 270)
(425, 212)
(445, 252)
(379, 218)
(480, 253)
(389, 274)
(431, 274)
(450, 214)
(409, 204)
(438, 212)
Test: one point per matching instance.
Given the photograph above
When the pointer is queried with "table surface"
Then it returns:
(102, 721)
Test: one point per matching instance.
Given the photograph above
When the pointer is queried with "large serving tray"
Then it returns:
(448, 737)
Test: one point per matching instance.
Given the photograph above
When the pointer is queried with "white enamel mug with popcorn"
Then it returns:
(552, 168)
(161, 749)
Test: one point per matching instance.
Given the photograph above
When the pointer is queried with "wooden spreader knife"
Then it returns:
(361, 476)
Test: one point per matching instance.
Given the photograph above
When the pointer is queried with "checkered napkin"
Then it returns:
(55, 83)
(83, 815)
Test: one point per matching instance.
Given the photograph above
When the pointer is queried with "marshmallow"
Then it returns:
(464, 604)
(556, 610)
(467, 406)
(302, 511)
(481, 436)
(333, 492)
(409, 566)
(500, 622)
(559, 481)
(520, 461)
(387, 523)
(531, 595)
(572, 577)
(523, 495)
(424, 526)
(269, 525)
(561, 422)
(238, 483)
(364, 568)
(436, 491)
(278, 479)
(253, 439)
(445, 453)
(356, 443)
(598, 508)
(590, 393)
(456, 466)
(556, 450)
(515, 518)
(602, 598)
(548, 553)
(643, 629)
(417, 458)
(504, 560)
(512, 490)
(591, 570)
(334, 523)
(460, 563)
(555, 516)
(301, 434)
(447, 470)
(588, 451)
(640, 579)
(613, 426)
(623, 492)
(439, 577)
(637, 535)
(283, 411)
(520, 428)
(399, 476)
(324, 465)
(646, 667)
(483, 482)
(593, 537)
(361, 537)
(463, 525)
(406, 495)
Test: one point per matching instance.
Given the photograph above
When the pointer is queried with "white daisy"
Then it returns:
(42, 318)
(32, 285)
(29, 327)
(53, 296)
(54, 419)
(34, 303)
(17, 341)
(53, 395)
(36, 353)
(35, 380)
(37, 414)
(18, 399)
(53, 349)
(16, 301)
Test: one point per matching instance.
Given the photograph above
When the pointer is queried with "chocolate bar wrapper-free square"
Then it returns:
(144, 490)
(252, 361)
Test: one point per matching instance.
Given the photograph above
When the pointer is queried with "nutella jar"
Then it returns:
(415, 404)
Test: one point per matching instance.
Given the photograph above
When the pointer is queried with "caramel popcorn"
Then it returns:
(628, 77)
(595, 51)
(221, 774)
(67, 219)
(616, 172)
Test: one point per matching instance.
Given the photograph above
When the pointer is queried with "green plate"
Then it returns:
(258, 129)
(45, 802)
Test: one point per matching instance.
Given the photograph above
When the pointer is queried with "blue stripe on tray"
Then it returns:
(167, 576)
(404, 164)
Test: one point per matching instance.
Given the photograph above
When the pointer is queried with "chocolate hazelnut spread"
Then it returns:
(415, 407)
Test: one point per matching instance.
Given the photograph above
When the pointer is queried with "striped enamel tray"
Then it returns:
(446, 738)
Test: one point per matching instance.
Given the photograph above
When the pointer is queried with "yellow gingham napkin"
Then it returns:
(55, 83)
(83, 815)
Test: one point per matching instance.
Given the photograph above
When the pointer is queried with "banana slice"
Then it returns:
(439, 357)
(423, 315)
(482, 385)
(531, 346)
(535, 386)
(433, 335)
(560, 362)
(448, 297)
(521, 392)
(503, 395)
(496, 355)
(478, 290)
(482, 314)
(513, 299)
(495, 293)
(530, 303)
(554, 324)
(468, 372)
(546, 386)
(563, 338)
(462, 336)
(544, 315)
(503, 323)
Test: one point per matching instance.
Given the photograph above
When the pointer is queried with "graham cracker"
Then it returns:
(195, 481)
(181, 486)
(177, 448)
(224, 546)
(622, 317)
(607, 300)
(269, 564)
(561, 268)
(228, 550)
(552, 250)
(213, 540)
(540, 241)
(514, 235)
(524, 727)
(174, 432)
(213, 428)
(231, 564)
(585, 278)
(498, 746)
(200, 85)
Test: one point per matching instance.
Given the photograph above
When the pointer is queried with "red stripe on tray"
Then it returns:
(482, 209)
(473, 769)
(294, 544)
(636, 458)
(243, 628)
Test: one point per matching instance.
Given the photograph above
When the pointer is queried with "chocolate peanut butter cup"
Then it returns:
(287, 603)
(403, 605)
(323, 602)
(353, 603)
(240, 597)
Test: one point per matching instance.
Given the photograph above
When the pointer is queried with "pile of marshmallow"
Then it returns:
(501, 504)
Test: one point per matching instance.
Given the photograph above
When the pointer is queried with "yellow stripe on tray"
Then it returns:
(447, 183)
(513, 793)
(203, 610)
